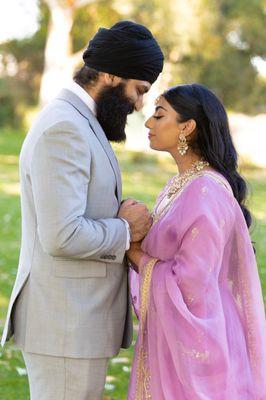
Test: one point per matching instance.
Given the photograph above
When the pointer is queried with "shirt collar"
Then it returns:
(82, 94)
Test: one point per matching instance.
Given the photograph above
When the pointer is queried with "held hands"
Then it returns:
(138, 217)
(134, 254)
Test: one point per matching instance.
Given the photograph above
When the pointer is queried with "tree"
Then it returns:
(213, 42)
(230, 35)
(59, 61)
(21, 91)
(21, 73)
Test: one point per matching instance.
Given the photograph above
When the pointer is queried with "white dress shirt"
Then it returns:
(82, 94)
(90, 102)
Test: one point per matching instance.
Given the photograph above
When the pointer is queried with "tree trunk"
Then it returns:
(57, 68)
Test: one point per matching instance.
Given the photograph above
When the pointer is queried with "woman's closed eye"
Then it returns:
(157, 116)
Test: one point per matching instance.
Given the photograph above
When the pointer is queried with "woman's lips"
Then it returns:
(150, 135)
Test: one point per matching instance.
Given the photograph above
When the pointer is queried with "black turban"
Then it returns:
(127, 50)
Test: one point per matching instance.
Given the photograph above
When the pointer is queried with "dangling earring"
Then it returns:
(182, 146)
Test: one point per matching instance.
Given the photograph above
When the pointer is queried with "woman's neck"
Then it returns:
(185, 162)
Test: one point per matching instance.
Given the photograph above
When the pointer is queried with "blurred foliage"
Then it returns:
(230, 33)
(208, 41)
(90, 18)
(19, 89)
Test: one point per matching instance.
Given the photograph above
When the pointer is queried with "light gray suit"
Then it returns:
(71, 288)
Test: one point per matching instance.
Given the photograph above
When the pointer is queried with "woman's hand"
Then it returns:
(135, 253)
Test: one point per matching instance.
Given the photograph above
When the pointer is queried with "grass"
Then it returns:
(143, 177)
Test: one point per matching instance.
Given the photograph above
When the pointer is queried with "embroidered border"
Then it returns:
(143, 378)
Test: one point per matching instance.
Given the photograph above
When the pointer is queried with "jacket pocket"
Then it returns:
(78, 268)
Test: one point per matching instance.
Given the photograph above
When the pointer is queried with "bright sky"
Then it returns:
(18, 18)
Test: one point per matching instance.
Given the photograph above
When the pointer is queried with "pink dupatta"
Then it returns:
(202, 324)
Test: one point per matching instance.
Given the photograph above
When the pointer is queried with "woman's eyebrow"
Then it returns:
(158, 107)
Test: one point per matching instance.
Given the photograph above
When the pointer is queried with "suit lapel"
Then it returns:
(83, 109)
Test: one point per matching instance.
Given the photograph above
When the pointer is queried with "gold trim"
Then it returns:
(143, 378)
(157, 217)
(213, 175)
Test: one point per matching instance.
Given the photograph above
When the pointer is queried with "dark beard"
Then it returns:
(113, 107)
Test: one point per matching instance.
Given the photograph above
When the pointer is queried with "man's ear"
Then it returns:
(111, 80)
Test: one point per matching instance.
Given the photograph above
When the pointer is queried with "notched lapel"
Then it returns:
(83, 109)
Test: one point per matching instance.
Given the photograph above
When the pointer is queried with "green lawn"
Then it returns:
(143, 177)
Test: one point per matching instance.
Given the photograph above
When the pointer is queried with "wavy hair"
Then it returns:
(212, 140)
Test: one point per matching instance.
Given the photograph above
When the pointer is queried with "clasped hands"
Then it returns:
(140, 220)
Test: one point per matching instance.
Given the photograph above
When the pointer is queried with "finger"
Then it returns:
(129, 202)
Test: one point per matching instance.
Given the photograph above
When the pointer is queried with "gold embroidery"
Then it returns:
(190, 298)
(201, 356)
(249, 316)
(180, 180)
(194, 233)
(222, 223)
(143, 376)
(158, 213)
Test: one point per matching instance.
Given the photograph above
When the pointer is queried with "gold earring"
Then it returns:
(182, 146)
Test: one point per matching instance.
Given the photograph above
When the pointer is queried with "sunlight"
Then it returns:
(12, 189)
(18, 19)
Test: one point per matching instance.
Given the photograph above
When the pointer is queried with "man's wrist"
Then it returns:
(129, 236)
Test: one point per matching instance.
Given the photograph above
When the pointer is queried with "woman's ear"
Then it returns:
(189, 127)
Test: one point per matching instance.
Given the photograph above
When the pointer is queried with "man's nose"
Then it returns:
(139, 104)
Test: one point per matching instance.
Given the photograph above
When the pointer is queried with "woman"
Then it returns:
(202, 324)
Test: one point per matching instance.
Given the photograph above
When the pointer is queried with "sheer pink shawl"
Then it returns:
(202, 324)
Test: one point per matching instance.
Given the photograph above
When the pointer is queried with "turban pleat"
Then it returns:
(127, 50)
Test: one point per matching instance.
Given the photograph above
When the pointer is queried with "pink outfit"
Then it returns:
(202, 329)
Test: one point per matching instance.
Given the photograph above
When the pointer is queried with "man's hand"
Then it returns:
(138, 217)
(135, 254)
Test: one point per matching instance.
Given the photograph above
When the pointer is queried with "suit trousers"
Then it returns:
(59, 378)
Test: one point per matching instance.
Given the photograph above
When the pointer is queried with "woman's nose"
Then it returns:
(148, 123)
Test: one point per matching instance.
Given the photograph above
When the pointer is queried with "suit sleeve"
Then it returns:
(60, 174)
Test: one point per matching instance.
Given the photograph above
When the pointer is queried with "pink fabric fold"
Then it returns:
(204, 335)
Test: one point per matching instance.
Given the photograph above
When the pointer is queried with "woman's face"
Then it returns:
(164, 128)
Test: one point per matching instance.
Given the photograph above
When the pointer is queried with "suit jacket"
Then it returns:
(70, 296)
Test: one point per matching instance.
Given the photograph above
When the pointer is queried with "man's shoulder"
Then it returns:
(58, 110)
(58, 114)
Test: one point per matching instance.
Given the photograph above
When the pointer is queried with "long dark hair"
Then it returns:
(213, 140)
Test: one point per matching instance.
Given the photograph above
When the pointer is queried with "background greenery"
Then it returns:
(144, 176)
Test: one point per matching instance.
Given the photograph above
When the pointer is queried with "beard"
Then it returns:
(113, 107)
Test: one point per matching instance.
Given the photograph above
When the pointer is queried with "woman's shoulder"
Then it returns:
(208, 197)
(209, 190)
(210, 182)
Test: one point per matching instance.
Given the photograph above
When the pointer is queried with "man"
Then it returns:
(69, 309)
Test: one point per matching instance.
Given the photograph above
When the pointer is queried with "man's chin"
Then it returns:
(120, 139)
